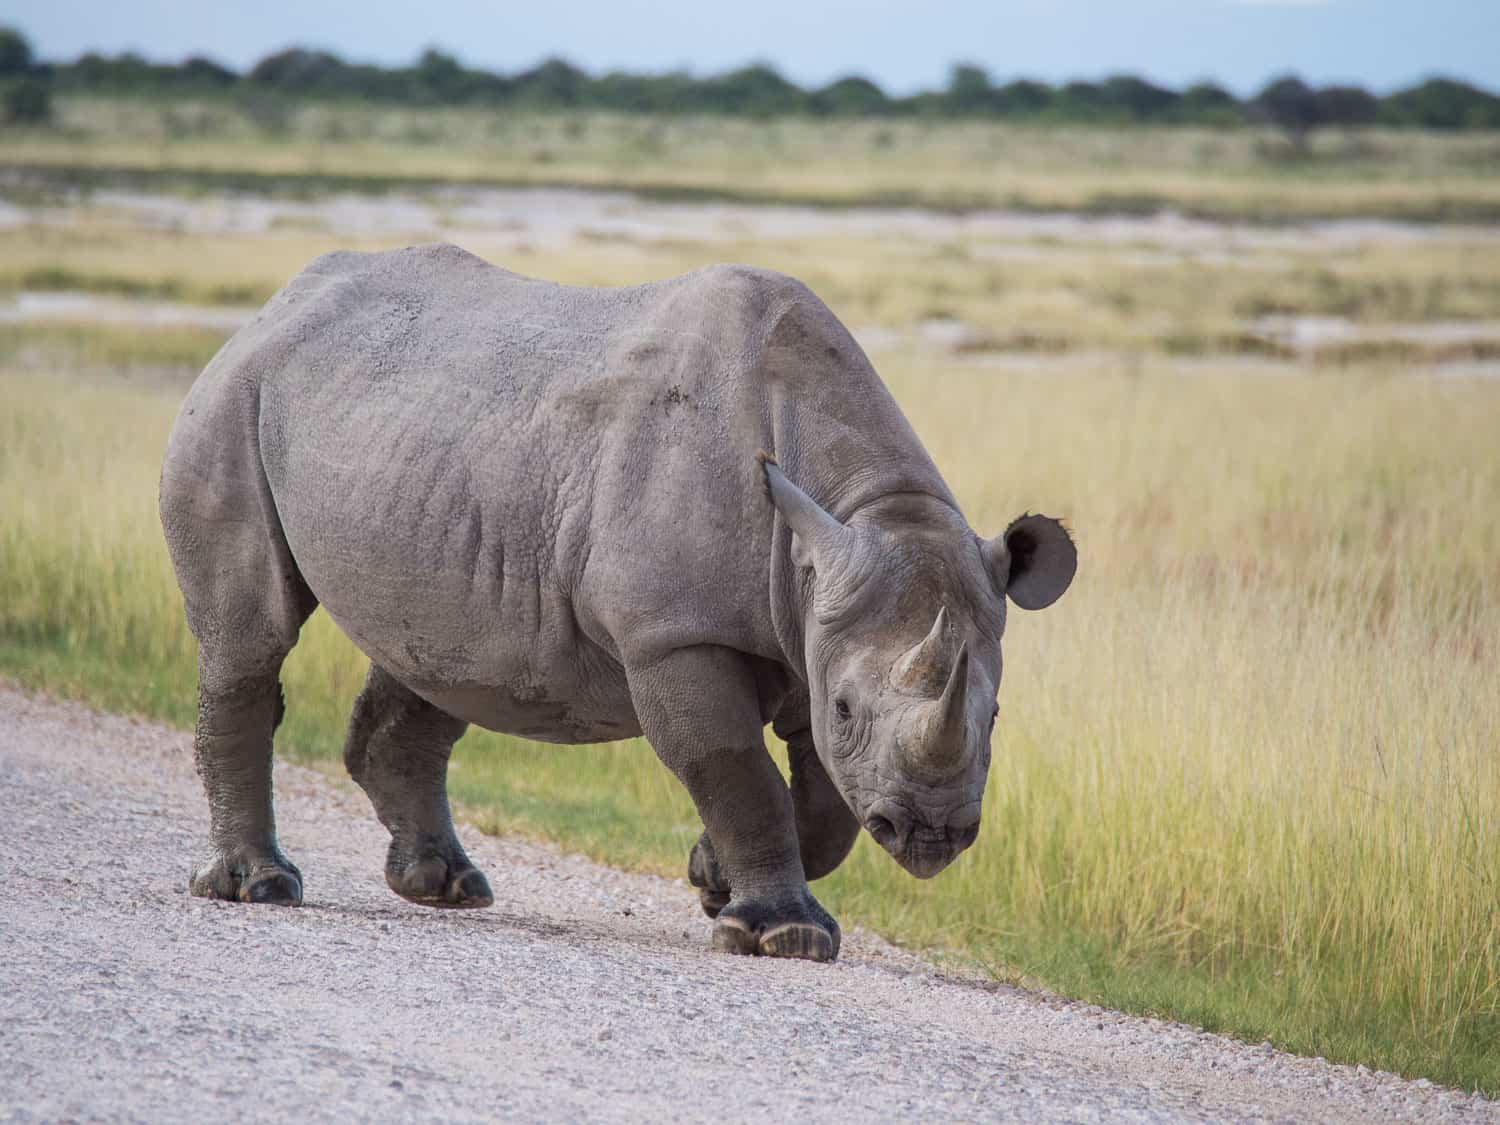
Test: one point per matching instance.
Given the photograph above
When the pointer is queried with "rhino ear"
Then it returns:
(1033, 562)
(818, 540)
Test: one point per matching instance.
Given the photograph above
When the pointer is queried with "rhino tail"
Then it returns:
(764, 459)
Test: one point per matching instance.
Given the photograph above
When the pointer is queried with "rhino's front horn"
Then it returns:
(942, 749)
(926, 665)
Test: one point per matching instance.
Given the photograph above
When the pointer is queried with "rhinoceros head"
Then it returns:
(902, 645)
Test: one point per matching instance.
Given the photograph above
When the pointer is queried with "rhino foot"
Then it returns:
(435, 880)
(712, 901)
(269, 879)
(704, 874)
(801, 928)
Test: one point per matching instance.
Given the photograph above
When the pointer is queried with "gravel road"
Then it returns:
(584, 993)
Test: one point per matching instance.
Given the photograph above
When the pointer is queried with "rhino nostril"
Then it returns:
(882, 829)
(890, 828)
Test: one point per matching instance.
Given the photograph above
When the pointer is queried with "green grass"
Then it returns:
(1246, 771)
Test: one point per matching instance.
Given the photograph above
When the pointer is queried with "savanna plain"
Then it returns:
(1247, 771)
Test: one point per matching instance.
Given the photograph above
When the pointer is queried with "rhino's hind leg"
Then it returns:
(232, 745)
(397, 749)
(246, 601)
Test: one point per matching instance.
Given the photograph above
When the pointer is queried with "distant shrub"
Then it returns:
(298, 71)
(1022, 98)
(751, 91)
(1209, 105)
(556, 82)
(207, 74)
(1349, 105)
(25, 91)
(26, 101)
(15, 53)
(1442, 103)
(1293, 107)
(852, 96)
(1144, 101)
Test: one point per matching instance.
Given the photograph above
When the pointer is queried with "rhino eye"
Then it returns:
(841, 709)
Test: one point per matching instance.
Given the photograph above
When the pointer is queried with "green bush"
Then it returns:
(27, 101)
(15, 52)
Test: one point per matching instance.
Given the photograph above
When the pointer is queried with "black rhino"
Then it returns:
(684, 509)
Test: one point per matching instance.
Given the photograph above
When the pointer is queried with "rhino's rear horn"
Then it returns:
(926, 665)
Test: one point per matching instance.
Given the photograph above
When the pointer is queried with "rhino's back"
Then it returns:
(476, 471)
(439, 319)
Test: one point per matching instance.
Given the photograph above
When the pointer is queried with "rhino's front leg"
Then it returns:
(699, 709)
(826, 827)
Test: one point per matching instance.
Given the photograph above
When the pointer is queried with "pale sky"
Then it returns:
(903, 44)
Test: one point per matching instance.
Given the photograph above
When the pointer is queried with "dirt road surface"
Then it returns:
(584, 994)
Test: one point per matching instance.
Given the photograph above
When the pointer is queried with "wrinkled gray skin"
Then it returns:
(542, 509)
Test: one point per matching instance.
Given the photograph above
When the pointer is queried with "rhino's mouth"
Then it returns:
(918, 847)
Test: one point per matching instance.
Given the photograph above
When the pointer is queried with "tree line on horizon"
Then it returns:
(758, 90)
